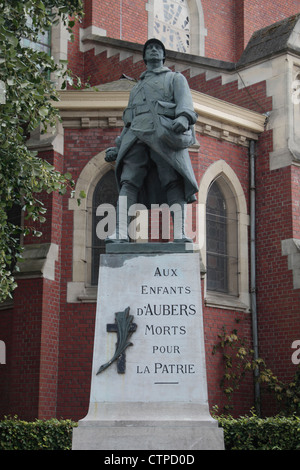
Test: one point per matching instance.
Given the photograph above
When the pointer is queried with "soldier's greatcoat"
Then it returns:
(168, 95)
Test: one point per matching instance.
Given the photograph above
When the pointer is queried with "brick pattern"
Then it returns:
(229, 23)
(125, 19)
(277, 301)
(258, 14)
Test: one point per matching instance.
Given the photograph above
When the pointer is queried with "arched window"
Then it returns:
(221, 239)
(220, 192)
(179, 24)
(105, 193)
(98, 182)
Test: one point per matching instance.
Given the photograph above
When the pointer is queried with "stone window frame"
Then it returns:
(227, 177)
(197, 31)
(80, 288)
(105, 192)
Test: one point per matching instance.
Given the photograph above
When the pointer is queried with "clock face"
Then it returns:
(172, 24)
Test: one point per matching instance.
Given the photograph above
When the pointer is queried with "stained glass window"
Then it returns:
(221, 239)
(216, 240)
(172, 24)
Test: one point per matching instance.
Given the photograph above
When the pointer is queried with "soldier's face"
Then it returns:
(154, 52)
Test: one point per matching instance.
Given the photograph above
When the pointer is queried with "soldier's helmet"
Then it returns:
(157, 41)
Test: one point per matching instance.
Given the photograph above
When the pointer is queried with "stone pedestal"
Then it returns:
(154, 395)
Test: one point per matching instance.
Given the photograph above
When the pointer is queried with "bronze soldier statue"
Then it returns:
(152, 161)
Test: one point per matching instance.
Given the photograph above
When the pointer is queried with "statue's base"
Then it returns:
(157, 400)
(154, 248)
(173, 434)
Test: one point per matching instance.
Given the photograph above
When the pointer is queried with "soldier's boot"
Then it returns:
(177, 205)
(127, 197)
(179, 218)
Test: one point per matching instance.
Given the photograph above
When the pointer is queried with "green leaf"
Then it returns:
(13, 40)
(28, 94)
(43, 111)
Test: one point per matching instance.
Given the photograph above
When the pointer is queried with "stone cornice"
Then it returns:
(86, 108)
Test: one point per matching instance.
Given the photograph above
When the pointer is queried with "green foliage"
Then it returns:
(50, 434)
(253, 433)
(238, 361)
(237, 358)
(28, 105)
(244, 433)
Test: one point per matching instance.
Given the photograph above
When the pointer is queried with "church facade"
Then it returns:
(241, 59)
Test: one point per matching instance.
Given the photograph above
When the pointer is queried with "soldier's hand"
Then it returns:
(180, 124)
(111, 154)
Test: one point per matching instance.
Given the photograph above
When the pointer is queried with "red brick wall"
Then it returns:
(122, 19)
(75, 359)
(295, 196)
(51, 312)
(229, 26)
(49, 349)
(229, 23)
(253, 97)
(277, 301)
(252, 15)
(75, 56)
(33, 325)
(259, 14)
(237, 158)
(219, 19)
(76, 320)
(239, 28)
(214, 319)
(30, 380)
(103, 70)
(24, 356)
